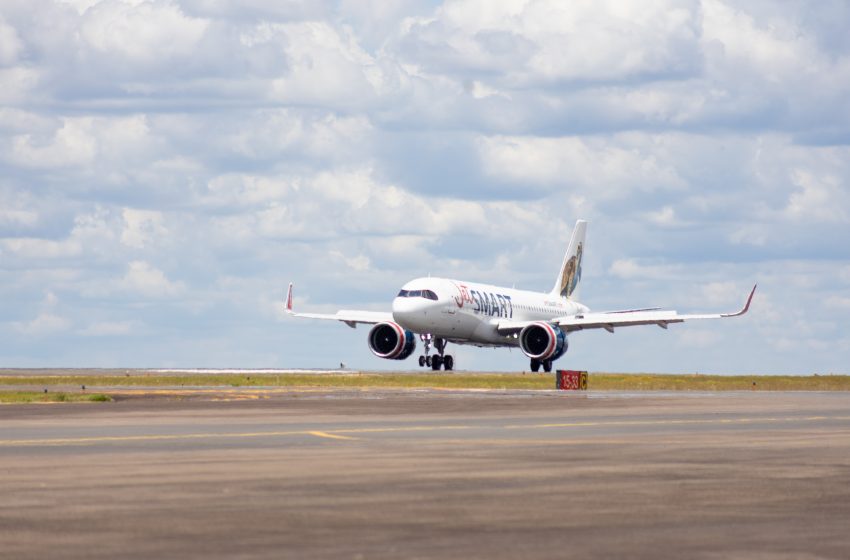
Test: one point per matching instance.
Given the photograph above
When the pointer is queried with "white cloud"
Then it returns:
(10, 44)
(259, 9)
(819, 198)
(141, 32)
(720, 293)
(19, 85)
(665, 216)
(142, 227)
(750, 234)
(36, 249)
(771, 67)
(346, 200)
(841, 302)
(147, 280)
(17, 217)
(73, 144)
(81, 5)
(632, 269)
(93, 235)
(325, 65)
(47, 322)
(245, 190)
(18, 120)
(694, 337)
(587, 163)
(359, 263)
(545, 41)
(109, 328)
(776, 51)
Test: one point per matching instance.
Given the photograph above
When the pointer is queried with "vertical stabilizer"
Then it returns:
(567, 283)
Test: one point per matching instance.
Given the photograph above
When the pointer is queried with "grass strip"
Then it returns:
(697, 382)
(596, 381)
(442, 380)
(19, 397)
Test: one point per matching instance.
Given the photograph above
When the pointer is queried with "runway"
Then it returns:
(428, 474)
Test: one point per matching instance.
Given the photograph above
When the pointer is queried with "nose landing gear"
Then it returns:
(442, 359)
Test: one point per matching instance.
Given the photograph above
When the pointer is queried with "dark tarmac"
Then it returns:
(428, 474)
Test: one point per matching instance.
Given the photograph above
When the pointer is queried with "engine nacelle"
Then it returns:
(543, 341)
(391, 341)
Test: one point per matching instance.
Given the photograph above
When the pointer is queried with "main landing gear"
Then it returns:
(442, 359)
(535, 365)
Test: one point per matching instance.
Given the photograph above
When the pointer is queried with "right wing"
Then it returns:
(611, 320)
(627, 318)
(348, 316)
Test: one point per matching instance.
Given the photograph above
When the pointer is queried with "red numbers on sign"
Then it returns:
(569, 380)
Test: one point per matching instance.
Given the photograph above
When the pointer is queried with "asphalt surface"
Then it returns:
(428, 474)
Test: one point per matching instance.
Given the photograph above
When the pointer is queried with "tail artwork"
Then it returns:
(567, 283)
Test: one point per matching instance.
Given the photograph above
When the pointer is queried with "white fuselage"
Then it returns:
(469, 313)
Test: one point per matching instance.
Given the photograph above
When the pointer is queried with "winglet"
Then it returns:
(746, 306)
(289, 299)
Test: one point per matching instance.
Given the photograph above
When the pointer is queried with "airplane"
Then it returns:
(441, 310)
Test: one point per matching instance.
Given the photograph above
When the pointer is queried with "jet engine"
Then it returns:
(543, 341)
(391, 341)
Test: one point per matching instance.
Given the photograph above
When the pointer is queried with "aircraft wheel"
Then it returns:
(547, 366)
(436, 362)
(428, 361)
(535, 365)
(448, 363)
(421, 361)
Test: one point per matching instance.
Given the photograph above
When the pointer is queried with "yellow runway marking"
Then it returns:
(336, 433)
(331, 436)
(402, 429)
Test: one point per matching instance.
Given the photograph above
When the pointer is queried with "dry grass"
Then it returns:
(596, 381)
(696, 382)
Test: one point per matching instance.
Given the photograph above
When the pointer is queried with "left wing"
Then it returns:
(609, 321)
(348, 316)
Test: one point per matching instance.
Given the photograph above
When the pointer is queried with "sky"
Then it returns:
(167, 167)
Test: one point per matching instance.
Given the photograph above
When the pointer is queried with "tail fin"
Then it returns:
(566, 285)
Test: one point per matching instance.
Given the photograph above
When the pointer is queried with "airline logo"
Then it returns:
(485, 303)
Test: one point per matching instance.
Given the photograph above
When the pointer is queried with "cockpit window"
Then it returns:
(427, 294)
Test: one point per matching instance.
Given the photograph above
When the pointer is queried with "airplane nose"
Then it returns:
(403, 308)
(409, 312)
